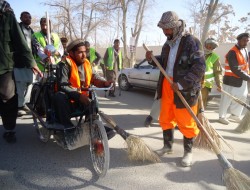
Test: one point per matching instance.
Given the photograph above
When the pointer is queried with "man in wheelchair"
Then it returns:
(74, 74)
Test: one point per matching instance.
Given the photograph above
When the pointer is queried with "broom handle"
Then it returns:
(236, 99)
(48, 28)
(119, 130)
(215, 148)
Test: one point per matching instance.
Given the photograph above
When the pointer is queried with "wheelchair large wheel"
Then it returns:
(99, 148)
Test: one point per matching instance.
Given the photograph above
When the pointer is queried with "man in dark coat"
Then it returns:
(12, 44)
(183, 60)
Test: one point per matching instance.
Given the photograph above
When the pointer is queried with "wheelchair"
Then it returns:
(85, 132)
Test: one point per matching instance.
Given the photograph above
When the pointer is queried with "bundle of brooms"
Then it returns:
(136, 147)
(245, 122)
(233, 179)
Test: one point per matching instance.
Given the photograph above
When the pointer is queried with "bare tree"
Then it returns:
(136, 31)
(35, 24)
(245, 22)
(208, 13)
(124, 7)
(78, 19)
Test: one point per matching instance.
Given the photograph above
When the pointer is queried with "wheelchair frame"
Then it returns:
(90, 132)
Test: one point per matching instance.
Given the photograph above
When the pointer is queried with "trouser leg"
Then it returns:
(28, 93)
(204, 93)
(62, 109)
(225, 101)
(8, 101)
(240, 93)
(155, 109)
(21, 90)
(111, 76)
(8, 112)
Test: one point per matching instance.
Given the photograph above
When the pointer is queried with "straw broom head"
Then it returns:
(236, 180)
(201, 141)
(137, 148)
(139, 151)
(244, 124)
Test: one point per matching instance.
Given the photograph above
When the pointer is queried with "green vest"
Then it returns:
(92, 55)
(209, 74)
(110, 62)
(41, 40)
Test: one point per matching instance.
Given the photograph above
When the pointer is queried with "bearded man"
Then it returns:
(183, 59)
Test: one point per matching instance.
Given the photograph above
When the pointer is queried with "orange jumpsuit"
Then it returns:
(170, 115)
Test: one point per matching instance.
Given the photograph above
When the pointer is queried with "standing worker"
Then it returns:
(213, 69)
(64, 42)
(24, 75)
(40, 40)
(235, 80)
(93, 56)
(154, 112)
(113, 63)
(183, 59)
(12, 44)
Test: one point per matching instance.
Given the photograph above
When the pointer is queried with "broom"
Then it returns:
(245, 123)
(233, 179)
(137, 148)
(201, 140)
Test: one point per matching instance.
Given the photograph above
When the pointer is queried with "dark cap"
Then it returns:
(64, 39)
(243, 35)
(74, 43)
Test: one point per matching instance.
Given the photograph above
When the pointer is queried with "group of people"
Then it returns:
(190, 67)
(23, 50)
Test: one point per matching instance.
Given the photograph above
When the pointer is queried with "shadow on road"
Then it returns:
(202, 172)
(52, 164)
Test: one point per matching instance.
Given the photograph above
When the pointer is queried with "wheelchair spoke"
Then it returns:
(99, 148)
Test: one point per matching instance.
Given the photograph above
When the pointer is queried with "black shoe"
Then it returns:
(148, 121)
(110, 132)
(10, 136)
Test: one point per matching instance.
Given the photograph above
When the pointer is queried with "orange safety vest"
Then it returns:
(74, 75)
(242, 63)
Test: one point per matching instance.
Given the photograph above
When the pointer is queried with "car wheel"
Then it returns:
(123, 83)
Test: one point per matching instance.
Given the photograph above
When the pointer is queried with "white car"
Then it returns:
(146, 76)
(142, 75)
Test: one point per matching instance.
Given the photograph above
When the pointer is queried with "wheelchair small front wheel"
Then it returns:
(99, 148)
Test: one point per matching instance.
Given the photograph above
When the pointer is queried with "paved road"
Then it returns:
(30, 164)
